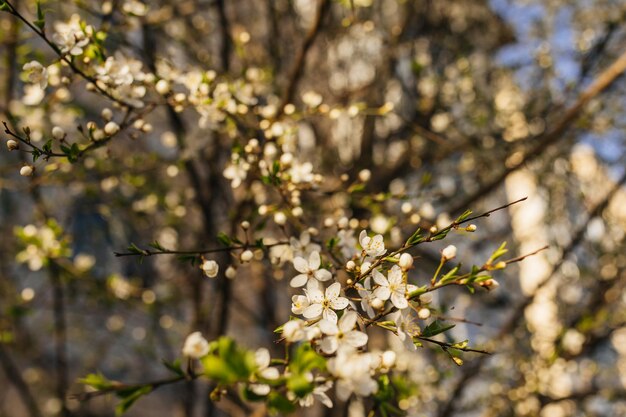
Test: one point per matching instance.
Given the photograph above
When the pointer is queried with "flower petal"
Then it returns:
(379, 278)
(270, 373)
(399, 300)
(355, 338)
(299, 281)
(262, 358)
(328, 327)
(313, 311)
(395, 275)
(330, 315)
(322, 275)
(329, 345)
(314, 261)
(333, 291)
(347, 322)
(382, 292)
(260, 389)
(301, 264)
(339, 303)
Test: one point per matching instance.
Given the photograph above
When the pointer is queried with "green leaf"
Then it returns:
(435, 328)
(156, 245)
(415, 238)
(300, 385)
(175, 367)
(421, 290)
(97, 381)
(450, 276)
(41, 21)
(497, 253)
(279, 403)
(134, 249)
(224, 239)
(129, 397)
(463, 216)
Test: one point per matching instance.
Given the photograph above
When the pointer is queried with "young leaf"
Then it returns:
(435, 328)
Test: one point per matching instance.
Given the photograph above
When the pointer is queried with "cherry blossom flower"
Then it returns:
(70, 36)
(37, 73)
(392, 287)
(367, 298)
(296, 330)
(309, 270)
(406, 328)
(319, 393)
(323, 303)
(341, 333)
(299, 303)
(373, 246)
(352, 371)
(195, 346)
(210, 268)
(264, 370)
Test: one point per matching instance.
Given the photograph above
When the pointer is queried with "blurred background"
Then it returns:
(450, 104)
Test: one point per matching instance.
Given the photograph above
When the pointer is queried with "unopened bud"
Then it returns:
(350, 265)
(27, 171)
(246, 256)
(107, 114)
(406, 261)
(280, 218)
(230, 272)
(12, 145)
(162, 87)
(111, 128)
(449, 252)
(210, 268)
(423, 313)
(471, 228)
(377, 303)
(58, 133)
(388, 359)
(245, 225)
(500, 265)
(365, 175)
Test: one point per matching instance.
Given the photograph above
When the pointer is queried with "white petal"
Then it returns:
(382, 292)
(322, 275)
(379, 278)
(395, 275)
(399, 300)
(260, 389)
(313, 311)
(314, 261)
(339, 303)
(329, 345)
(355, 338)
(262, 358)
(270, 373)
(301, 264)
(328, 327)
(324, 399)
(333, 291)
(330, 315)
(299, 281)
(347, 322)
(314, 291)
(362, 237)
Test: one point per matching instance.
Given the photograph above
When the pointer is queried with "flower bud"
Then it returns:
(388, 359)
(210, 268)
(377, 303)
(280, 218)
(231, 272)
(406, 261)
(107, 114)
(448, 253)
(246, 256)
(245, 225)
(471, 228)
(365, 175)
(423, 313)
(162, 87)
(12, 145)
(111, 128)
(27, 170)
(58, 133)
(350, 265)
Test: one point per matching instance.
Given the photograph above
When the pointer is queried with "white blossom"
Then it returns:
(323, 303)
(210, 268)
(195, 346)
(264, 370)
(309, 270)
(373, 246)
(352, 370)
(70, 36)
(37, 73)
(341, 333)
(393, 287)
